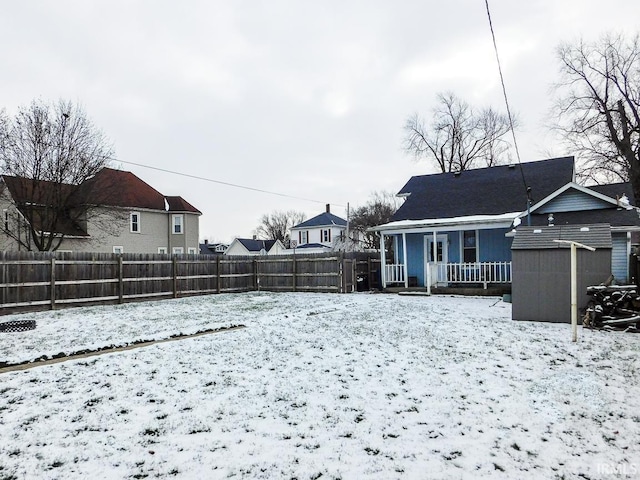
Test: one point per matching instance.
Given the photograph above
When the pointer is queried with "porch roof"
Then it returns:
(503, 220)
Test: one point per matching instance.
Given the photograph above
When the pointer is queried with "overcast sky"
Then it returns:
(306, 99)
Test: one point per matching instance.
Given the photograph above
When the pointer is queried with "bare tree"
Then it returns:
(277, 225)
(598, 107)
(377, 211)
(49, 153)
(458, 137)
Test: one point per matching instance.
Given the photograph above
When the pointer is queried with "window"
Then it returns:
(135, 222)
(6, 219)
(303, 237)
(469, 246)
(162, 250)
(118, 249)
(192, 250)
(177, 224)
(325, 235)
(178, 250)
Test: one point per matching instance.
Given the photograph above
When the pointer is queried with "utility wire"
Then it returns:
(506, 101)
(220, 182)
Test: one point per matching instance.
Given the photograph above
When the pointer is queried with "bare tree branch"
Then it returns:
(598, 107)
(48, 153)
(458, 137)
(277, 225)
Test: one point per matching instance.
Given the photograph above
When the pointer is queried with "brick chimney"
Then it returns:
(328, 208)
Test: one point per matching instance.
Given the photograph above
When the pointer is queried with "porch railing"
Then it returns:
(476, 272)
(394, 273)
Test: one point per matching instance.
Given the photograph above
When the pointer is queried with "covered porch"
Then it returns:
(469, 255)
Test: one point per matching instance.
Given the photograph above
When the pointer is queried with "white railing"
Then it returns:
(476, 272)
(394, 273)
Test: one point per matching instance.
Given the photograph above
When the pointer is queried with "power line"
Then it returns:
(506, 100)
(220, 182)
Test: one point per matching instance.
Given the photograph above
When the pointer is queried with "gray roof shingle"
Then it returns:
(482, 191)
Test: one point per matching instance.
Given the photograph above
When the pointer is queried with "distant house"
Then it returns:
(207, 248)
(318, 233)
(252, 246)
(130, 216)
(457, 228)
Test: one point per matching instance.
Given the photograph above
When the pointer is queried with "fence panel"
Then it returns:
(49, 279)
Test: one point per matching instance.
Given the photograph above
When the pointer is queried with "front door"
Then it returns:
(439, 255)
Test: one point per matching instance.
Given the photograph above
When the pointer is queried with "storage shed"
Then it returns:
(541, 269)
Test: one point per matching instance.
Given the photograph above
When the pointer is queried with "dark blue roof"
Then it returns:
(256, 245)
(312, 245)
(615, 190)
(323, 220)
(482, 191)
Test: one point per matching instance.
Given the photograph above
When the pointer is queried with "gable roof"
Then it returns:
(610, 209)
(256, 245)
(483, 191)
(325, 219)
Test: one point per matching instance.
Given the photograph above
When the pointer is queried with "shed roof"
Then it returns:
(542, 237)
(482, 191)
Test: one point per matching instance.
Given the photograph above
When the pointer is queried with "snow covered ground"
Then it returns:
(319, 386)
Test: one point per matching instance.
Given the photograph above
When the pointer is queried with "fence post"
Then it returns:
(256, 279)
(218, 274)
(53, 283)
(174, 263)
(293, 273)
(120, 279)
(341, 277)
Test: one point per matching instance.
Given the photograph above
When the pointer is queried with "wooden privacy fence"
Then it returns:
(49, 279)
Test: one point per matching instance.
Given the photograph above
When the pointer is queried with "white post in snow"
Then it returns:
(574, 284)
(383, 262)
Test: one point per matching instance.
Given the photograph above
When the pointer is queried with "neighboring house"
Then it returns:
(207, 248)
(457, 228)
(318, 233)
(131, 217)
(252, 246)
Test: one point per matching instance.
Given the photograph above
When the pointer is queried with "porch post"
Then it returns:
(383, 262)
(404, 258)
(434, 246)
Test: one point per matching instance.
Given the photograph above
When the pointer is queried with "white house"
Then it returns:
(318, 233)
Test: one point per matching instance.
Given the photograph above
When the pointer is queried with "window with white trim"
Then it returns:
(192, 250)
(303, 237)
(118, 249)
(178, 224)
(162, 250)
(325, 235)
(178, 250)
(469, 246)
(134, 223)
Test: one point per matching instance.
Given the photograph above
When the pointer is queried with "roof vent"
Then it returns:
(537, 230)
(512, 166)
(456, 174)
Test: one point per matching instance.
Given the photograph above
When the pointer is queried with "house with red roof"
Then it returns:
(127, 215)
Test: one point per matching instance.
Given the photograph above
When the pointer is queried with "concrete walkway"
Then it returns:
(76, 356)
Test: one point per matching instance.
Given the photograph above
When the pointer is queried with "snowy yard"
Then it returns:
(331, 386)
